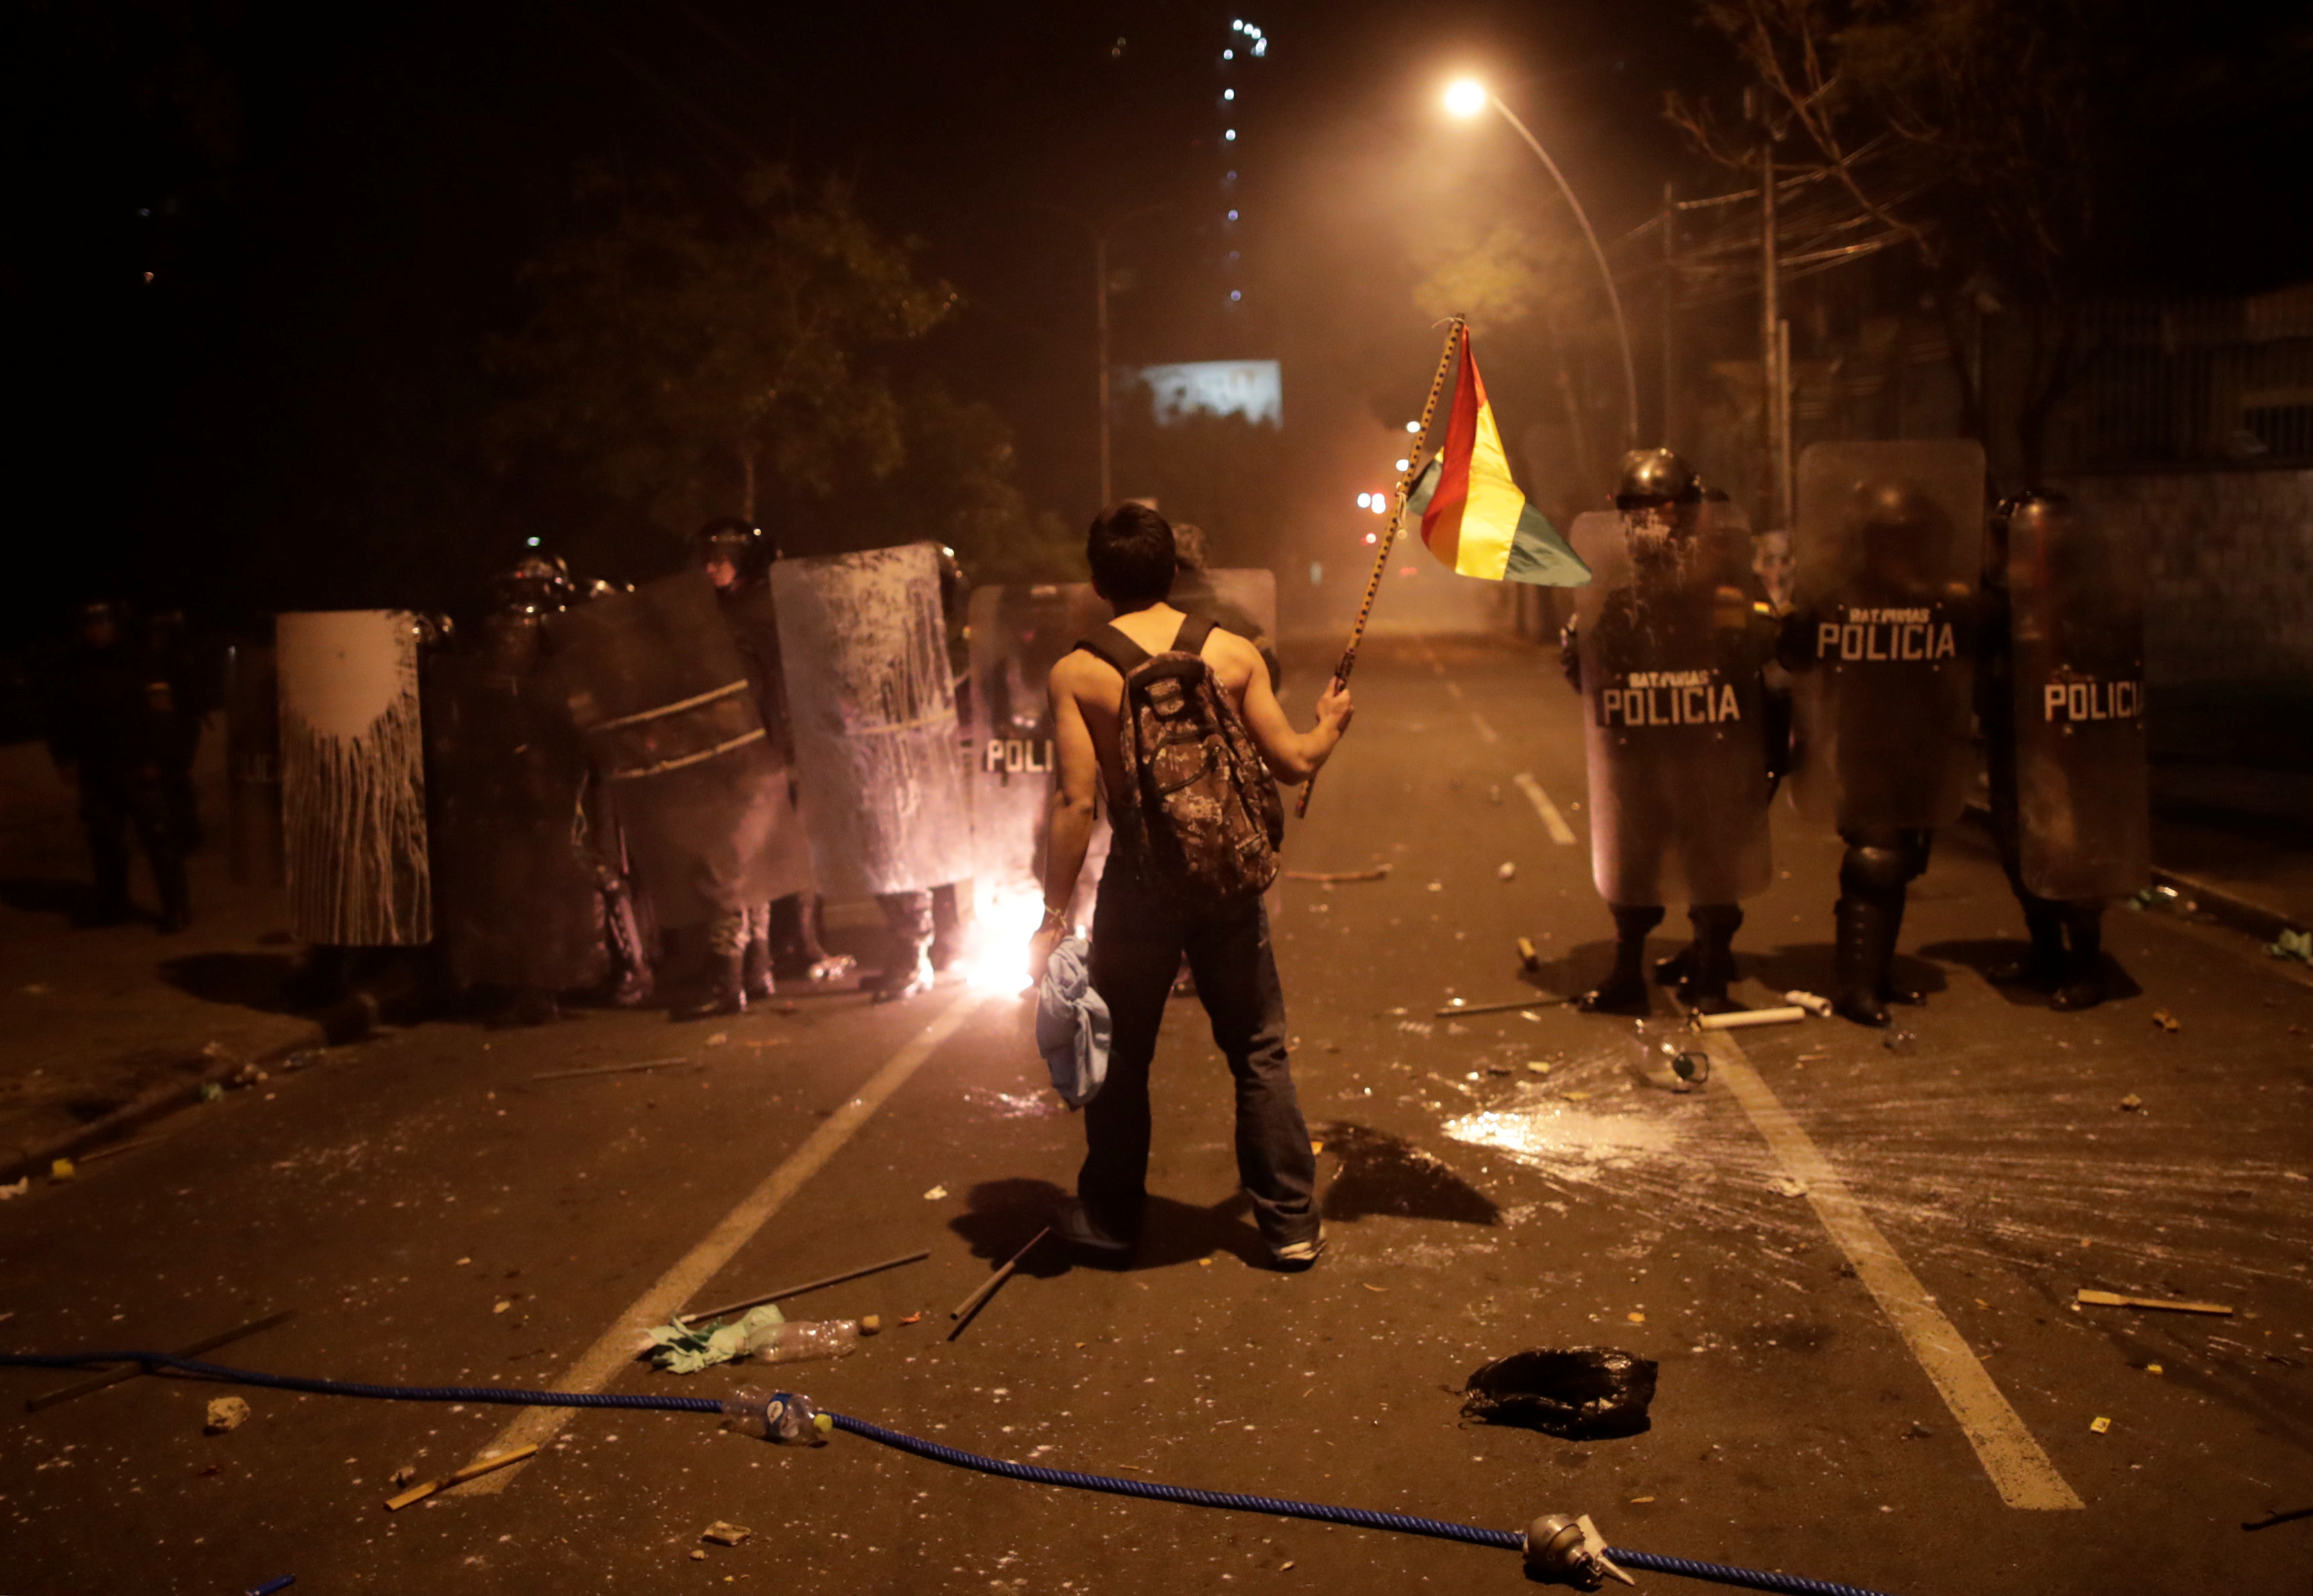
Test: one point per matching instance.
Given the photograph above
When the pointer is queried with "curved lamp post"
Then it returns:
(1467, 98)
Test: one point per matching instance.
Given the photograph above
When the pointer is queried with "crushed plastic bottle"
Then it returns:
(799, 1340)
(1667, 1059)
(779, 1417)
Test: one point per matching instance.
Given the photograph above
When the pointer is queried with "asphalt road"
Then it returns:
(434, 1215)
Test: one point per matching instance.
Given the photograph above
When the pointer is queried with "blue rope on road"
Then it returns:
(1509, 1540)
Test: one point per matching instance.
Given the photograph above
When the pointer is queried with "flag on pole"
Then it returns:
(1473, 518)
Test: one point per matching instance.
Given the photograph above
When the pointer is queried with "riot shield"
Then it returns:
(1019, 634)
(1883, 633)
(655, 681)
(252, 756)
(2076, 596)
(513, 884)
(1671, 651)
(353, 778)
(872, 704)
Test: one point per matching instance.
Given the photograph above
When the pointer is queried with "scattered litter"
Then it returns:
(502, 1304)
(97, 1382)
(1787, 1187)
(1438, 886)
(1204, 1263)
(2099, 1425)
(1369, 1285)
(800, 1340)
(1635, 1500)
(2164, 1020)
(696, 1556)
(464, 1261)
(212, 1091)
(1902, 1042)
(2154, 1369)
(1529, 957)
(680, 1348)
(2113, 1299)
(1819, 1007)
(1577, 1393)
(1331, 876)
(130, 1146)
(403, 1475)
(15, 1189)
(272, 1587)
(718, 1038)
(935, 1194)
(723, 1534)
(2130, 1104)
(1505, 872)
(2271, 1518)
(479, 1467)
(1315, 1147)
(61, 1168)
(1459, 1007)
(915, 1317)
(224, 1413)
(2163, 898)
(1636, 1318)
(2293, 945)
(1738, 1019)
(1575, 1097)
(612, 1069)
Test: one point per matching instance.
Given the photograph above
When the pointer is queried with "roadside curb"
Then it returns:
(346, 1023)
(2229, 909)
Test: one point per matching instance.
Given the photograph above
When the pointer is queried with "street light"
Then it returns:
(1465, 98)
(1100, 234)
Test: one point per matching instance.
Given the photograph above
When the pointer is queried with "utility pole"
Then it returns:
(1670, 315)
(1100, 299)
(1770, 396)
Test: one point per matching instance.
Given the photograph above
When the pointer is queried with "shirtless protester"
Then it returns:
(1141, 928)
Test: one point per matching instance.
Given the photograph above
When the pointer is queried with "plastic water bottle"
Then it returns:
(781, 1417)
(799, 1340)
(1668, 1058)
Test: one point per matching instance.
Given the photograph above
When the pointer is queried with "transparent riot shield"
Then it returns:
(1888, 548)
(353, 778)
(2076, 596)
(1019, 634)
(1671, 651)
(874, 719)
(655, 682)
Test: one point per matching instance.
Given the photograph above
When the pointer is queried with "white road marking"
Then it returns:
(1551, 820)
(1486, 733)
(2019, 1469)
(1454, 687)
(615, 1352)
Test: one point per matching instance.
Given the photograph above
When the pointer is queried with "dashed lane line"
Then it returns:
(1551, 820)
(1486, 733)
(2019, 1469)
(615, 1351)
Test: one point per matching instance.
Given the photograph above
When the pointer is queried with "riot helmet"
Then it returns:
(1656, 476)
(740, 546)
(101, 622)
(539, 584)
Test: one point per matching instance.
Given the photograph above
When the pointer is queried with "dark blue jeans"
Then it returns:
(1137, 939)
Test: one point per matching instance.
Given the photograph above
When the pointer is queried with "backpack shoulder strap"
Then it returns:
(1113, 648)
(1191, 638)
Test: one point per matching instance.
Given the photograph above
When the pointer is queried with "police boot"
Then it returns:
(1710, 963)
(2083, 984)
(727, 994)
(2044, 965)
(755, 972)
(910, 979)
(176, 897)
(1859, 947)
(1624, 989)
(632, 989)
(1887, 989)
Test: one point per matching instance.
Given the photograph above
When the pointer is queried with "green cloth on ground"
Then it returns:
(687, 1348)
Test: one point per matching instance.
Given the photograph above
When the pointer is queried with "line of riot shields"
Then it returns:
(648, 793)
(1862, 653)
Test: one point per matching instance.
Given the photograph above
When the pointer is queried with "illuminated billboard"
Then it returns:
(1253, 389)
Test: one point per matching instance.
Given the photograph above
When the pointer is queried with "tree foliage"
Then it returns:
(681, 362)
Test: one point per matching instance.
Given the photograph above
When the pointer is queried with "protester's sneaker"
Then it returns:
(1294, 1257)
(1075, 1226)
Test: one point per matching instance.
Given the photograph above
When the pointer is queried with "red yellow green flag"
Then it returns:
(1473, 518)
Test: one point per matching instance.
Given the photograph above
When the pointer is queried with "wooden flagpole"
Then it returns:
(1455, 333)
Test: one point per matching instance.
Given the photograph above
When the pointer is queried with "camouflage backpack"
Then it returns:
(1200, 807)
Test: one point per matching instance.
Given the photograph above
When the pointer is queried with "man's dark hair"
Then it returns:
(1131, 552)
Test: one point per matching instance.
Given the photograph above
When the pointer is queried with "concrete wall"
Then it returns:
(2230, 559)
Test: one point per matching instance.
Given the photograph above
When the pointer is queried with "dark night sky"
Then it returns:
(339, 199)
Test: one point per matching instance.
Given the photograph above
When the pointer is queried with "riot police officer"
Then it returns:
(1667, 648)
(108, 733)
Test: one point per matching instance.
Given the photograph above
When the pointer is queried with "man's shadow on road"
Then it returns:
(72, 901)
(259, 981)
(1002, 1216)
(1813, 967)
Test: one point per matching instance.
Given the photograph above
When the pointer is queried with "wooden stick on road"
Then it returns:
(962, 1312)
(809, 1285)
(1414, 464)
(131, 1371)
(472, 1471)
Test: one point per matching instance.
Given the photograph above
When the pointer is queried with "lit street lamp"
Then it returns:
(1467, 97)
